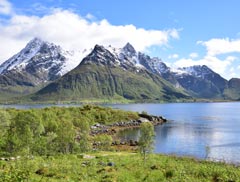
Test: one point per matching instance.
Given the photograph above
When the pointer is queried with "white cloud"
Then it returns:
(72, 31)
(221, 46)
(193, 55)
(5, 7)
(212, 59)
(232, 72)
(173, 56)
(90, 16)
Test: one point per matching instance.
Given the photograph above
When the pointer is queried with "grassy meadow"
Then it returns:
(116, 166)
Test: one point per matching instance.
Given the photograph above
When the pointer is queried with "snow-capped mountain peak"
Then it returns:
(42, 60)
(154, 64)
(127, 57)
(103, 56)
(197, 70)
(34, 43)
(129, 49)
(23, 56)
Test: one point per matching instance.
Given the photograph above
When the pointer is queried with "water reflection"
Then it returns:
(129, 134)
(201, 130)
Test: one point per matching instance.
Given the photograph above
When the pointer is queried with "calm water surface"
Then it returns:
(201, 130)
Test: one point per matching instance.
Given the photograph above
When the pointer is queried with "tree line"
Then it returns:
(54, 130)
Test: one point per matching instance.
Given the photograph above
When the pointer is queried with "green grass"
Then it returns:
(127, 167)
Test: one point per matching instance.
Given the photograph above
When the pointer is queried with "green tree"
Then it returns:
(65, 133)
(146, 138)
(4, 126)
(84, 136)
(23, 131)
(4, 121)
(49, 120)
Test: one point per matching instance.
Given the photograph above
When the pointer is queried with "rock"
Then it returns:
(30, 157)
(132, 143)
(85, 163)
(88, 157)
(164, 119)
(42, 171)
(101, 170)
(93, 127)
(114, 143)
(154, 167)
(110, 164)
(142, 120)
(97, 128)
(97, 125)
(12, 158)
(102, 163)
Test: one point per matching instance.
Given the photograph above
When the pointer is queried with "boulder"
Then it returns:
(111, 164)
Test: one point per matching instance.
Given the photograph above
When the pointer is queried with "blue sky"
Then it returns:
(181, 32)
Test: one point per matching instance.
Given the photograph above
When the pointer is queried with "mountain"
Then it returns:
(201, 81)
(107, 73)
(110, 73)
(232, 92)
(36, 65)
(157, 66)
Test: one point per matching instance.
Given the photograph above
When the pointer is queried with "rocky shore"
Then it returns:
(113, 128)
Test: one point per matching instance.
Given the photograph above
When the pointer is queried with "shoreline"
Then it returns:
(112, 129)
(109, 101)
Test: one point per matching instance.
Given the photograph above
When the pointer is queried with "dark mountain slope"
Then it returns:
(102, 75)
(232, 92)
(34, 66)
(201, 81)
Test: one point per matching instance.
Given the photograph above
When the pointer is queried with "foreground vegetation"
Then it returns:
(55, 130)
(116, 166)
(55, 145)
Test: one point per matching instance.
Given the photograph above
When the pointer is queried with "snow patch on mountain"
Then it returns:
(73, 59)
(199, 71)
(126, 55)
(45, 57)
(21, 59)
(48, 61)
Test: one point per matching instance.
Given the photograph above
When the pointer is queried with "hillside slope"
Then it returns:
(102, 75)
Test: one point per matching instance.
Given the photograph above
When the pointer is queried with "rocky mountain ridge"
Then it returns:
(107, 74)
(43, 60)
(40, 63)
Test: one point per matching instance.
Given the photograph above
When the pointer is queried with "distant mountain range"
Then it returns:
(44, 71)
(111, 73)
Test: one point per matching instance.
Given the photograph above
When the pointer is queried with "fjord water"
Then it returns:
(202, 130)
